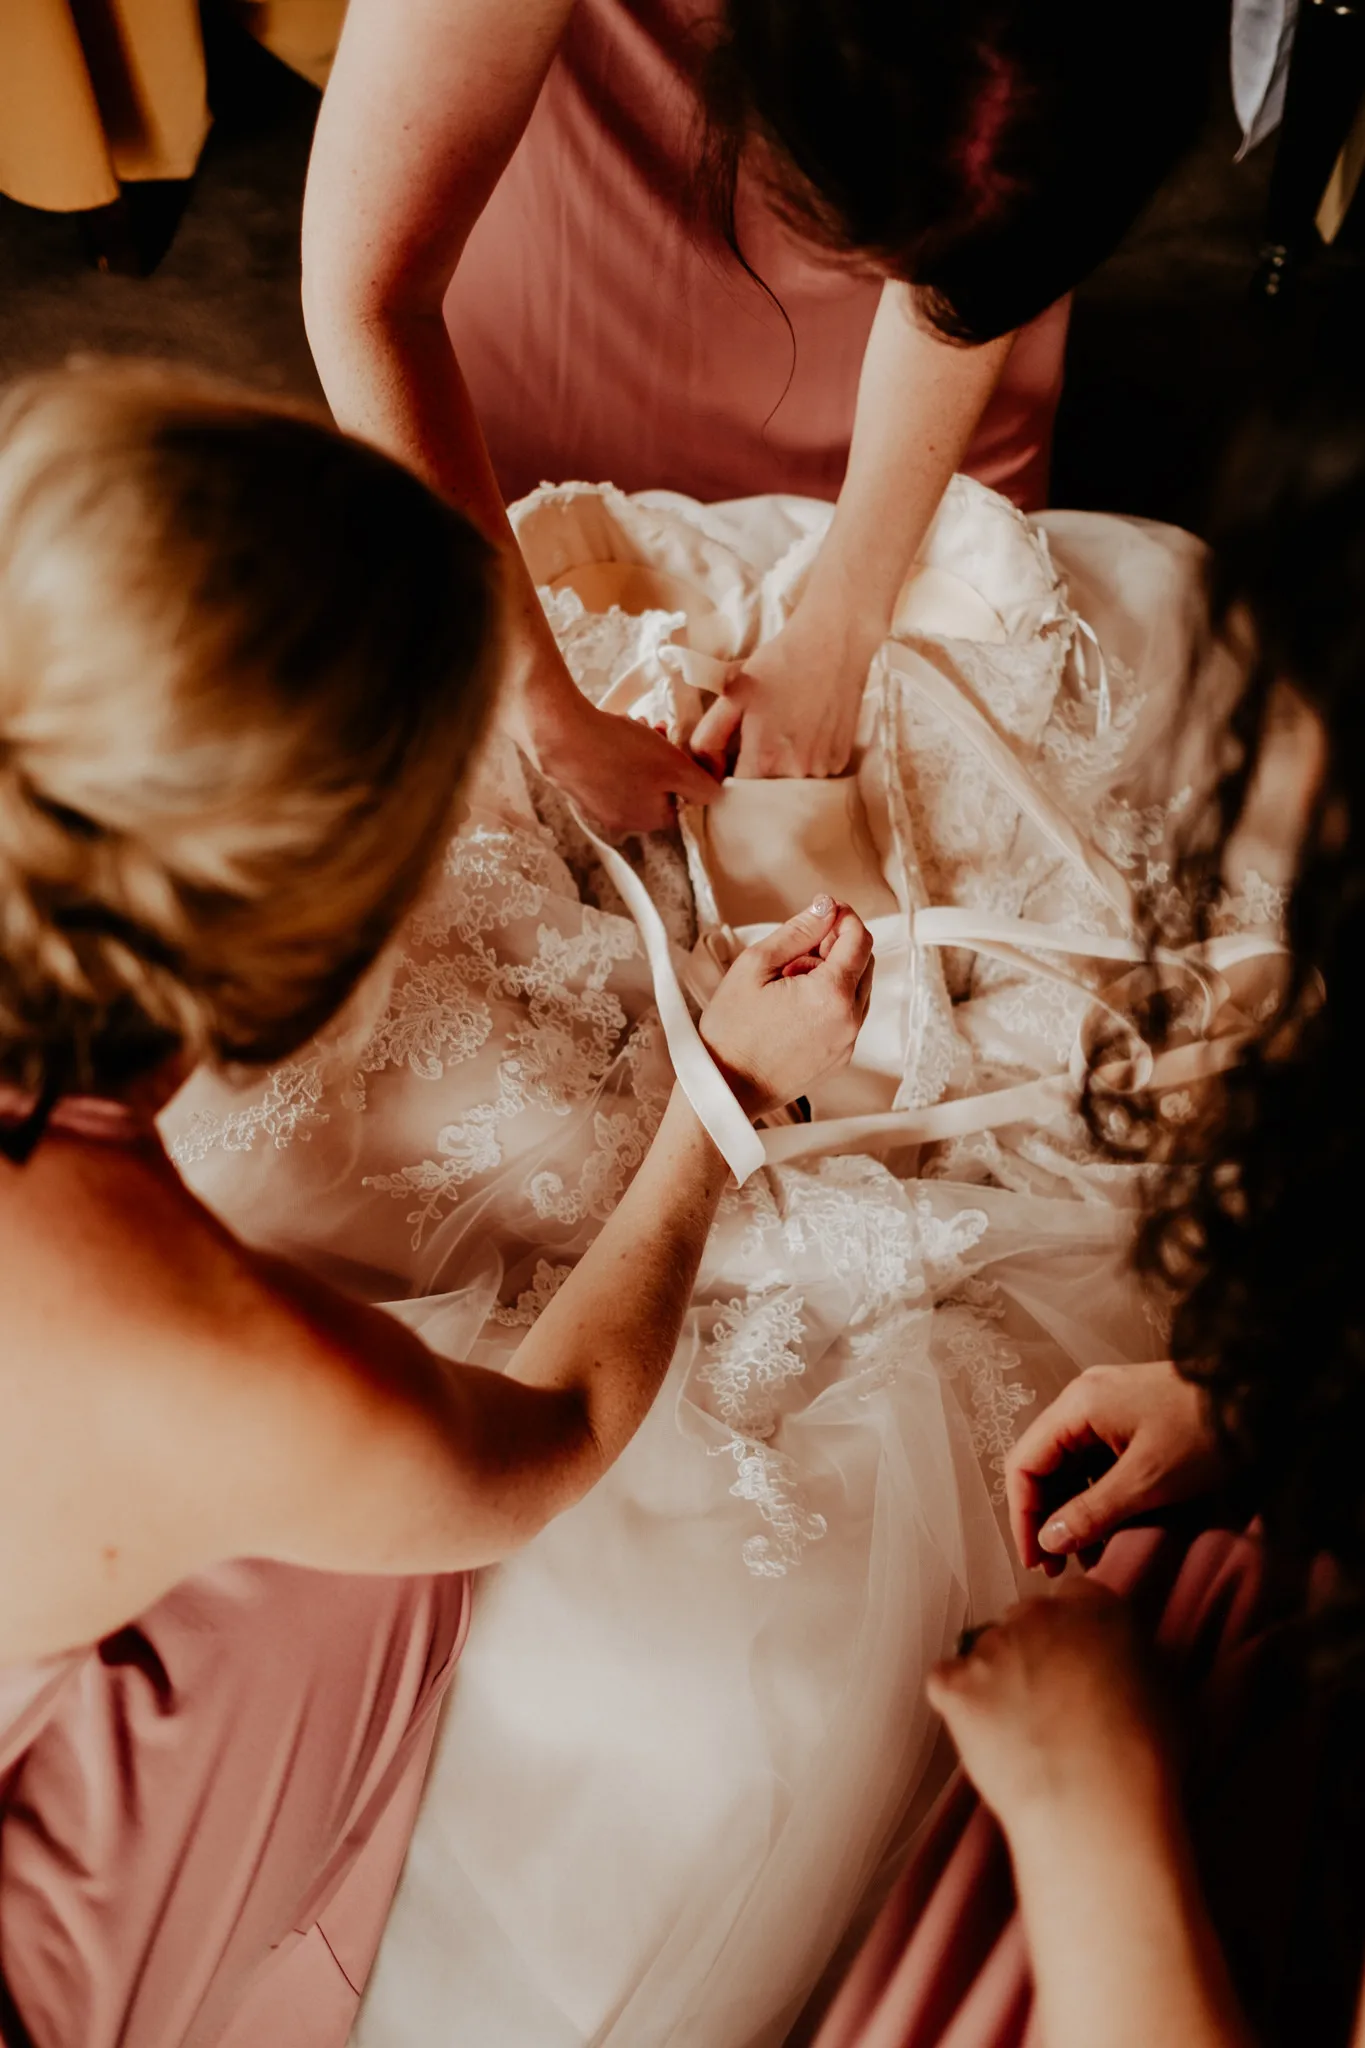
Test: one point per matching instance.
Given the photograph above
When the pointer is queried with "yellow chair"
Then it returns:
(113, 92)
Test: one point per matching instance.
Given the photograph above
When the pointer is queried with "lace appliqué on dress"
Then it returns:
(287, 1107)
(771, 1480)
(546, 1282)
(752, 1352)
(974, 1350)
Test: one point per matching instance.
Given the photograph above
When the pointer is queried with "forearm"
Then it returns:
(610, 1333)
(426, 103)
(1119, 1939)
(919, 402)
(399, 1462)
(392, 378)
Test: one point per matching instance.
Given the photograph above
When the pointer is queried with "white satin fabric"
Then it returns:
(1262, 45)
(688, 1741)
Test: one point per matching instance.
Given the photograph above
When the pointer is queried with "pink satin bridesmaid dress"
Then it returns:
(607, 333)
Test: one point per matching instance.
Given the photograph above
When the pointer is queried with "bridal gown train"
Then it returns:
(688, 1739)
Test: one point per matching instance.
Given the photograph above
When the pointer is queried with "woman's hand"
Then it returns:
(790, 1009)
(623, 776)
(1153, 1424)
(793, 708)
(1058, 1727)
(1052, 1710)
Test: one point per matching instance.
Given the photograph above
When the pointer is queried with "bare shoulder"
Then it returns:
(140, 1341)
(173, 1399)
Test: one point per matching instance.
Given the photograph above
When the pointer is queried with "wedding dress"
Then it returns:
(688, 1740)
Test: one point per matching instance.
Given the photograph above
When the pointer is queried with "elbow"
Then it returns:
(336, 302)
(343, 297)
(535, 1470)
(578, 1460)
(327, 301)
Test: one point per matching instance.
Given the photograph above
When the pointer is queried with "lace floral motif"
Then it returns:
(554, 1059)
(752, 1351)
(437, 1011)
(947, 1240)
(546, 1282)
(601, 648)
(1259, 905)
(1132, 835)
(973, 1349)
(621, 1140)
(849, 1212)
(433, 1020)
(845, 1216)
(621, 1137)
(752, 1211)
(287, 1107)
(771, 1481)
(1080, 753)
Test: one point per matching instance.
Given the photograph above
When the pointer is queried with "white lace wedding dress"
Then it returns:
(688, 1730)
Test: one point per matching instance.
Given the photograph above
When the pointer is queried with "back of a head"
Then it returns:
(244, 663)
(988, 152)
(1255, 1219)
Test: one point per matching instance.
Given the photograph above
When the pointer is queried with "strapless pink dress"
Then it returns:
(608, 333)
(203, 1817)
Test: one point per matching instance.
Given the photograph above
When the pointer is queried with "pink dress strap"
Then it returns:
(26, 1119)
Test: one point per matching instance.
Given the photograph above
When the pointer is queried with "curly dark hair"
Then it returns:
(1253, 1224)
(989, 153)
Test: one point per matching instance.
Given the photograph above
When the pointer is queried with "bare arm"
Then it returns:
(265, 1416)
(449, 1466)
(172, 1401)
(427, 101)
(509, 1453)
(919, 401)
(1058, 1728)
(1118, 1934)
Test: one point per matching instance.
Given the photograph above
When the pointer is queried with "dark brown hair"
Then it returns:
(988, 152)
(1255, 1224)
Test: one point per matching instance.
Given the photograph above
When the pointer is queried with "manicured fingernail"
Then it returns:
(822, 906)
(1055, 1537)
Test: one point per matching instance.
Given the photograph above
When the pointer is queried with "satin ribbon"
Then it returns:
(700, 1079)
(1015, 940)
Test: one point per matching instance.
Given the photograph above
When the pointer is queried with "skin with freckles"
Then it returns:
(427, 101)
(174, 1398)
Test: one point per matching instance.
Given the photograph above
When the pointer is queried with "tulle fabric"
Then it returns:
(688, 1746)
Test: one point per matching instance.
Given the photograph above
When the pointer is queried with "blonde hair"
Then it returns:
(244, 662)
